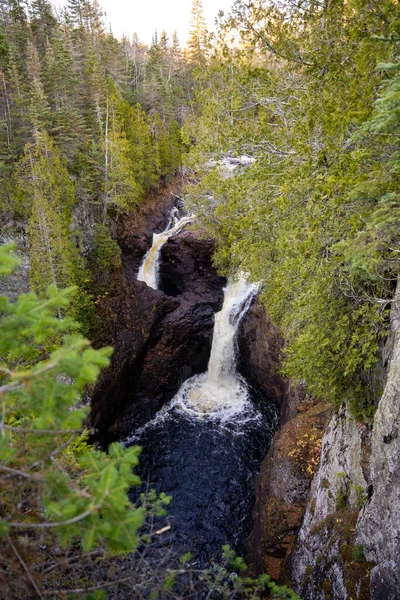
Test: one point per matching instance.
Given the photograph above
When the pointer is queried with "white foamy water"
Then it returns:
(220, 394)
(149, 268)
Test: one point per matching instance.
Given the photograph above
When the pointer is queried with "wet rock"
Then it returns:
(186, 267)
(135, 231)
(159, 340)
(259, 345)
(283, 486)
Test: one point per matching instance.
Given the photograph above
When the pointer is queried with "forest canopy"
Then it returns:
(310, 90)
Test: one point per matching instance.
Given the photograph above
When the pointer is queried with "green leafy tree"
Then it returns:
(297, 92)
(373, 252)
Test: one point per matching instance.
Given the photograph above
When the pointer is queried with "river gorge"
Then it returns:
(195, 381)
(204, 435)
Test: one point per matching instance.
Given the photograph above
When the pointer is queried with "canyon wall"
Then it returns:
(163, 337)
(327, 519)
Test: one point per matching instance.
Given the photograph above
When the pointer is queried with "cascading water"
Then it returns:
(204, 447)
(148, 271)
(221, 393)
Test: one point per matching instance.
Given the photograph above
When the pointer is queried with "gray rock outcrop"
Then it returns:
(324, 551)
(378, 526)
(348, 545)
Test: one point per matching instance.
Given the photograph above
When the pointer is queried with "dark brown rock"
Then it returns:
(283, 485)
(259, 345)
(159, 340)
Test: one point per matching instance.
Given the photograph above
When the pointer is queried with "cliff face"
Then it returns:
(378, 527)
(284, 481)
(159, 340)
(259, 346)
(327, 519)
(348, 545)
(326, 560)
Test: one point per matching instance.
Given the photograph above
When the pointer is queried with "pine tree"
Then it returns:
(62, 86)
(42, 23)
(41, 380)
(198, 36)
(48, 195)
(39, 112)
(120, 188)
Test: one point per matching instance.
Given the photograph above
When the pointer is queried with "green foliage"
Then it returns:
(315, 218)
(52, 481)
(105, 257)
(76, 148)
(229, 581)
(360, 496)
(358, 553)
(7, 261)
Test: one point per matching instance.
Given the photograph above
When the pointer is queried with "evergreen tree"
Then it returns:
(74, 143)
(61, 84)
(293, 218)
(120, 189)
(42, 23)
(198, 36)
(48, 195)
(39, 112)
(40, 383)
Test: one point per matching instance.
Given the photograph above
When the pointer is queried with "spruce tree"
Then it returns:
(45, 366)
(198, 36)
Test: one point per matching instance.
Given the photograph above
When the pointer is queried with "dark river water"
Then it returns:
(207, 465)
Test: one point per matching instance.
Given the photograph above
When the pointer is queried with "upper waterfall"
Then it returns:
(149, 268)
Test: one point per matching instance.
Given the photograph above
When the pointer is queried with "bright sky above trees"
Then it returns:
(145, 16)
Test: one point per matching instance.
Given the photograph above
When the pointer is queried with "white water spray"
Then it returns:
(149, 268)
(221, 393)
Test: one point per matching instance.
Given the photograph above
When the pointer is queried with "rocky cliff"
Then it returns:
(327, 518)
(162, 337)
(159, 339)
(348, 545)
(378, 526)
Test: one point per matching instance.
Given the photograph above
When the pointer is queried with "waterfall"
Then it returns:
(222, 363)
(149, 268)
(205, 445)
(221, 393)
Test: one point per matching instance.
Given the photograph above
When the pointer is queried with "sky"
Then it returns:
(145, 16)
